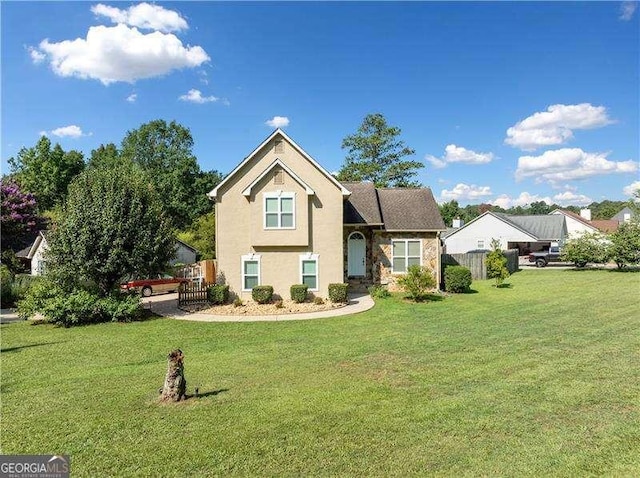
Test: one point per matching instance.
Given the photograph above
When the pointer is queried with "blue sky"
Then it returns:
(503, 102)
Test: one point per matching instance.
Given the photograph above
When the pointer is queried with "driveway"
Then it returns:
(8, 316)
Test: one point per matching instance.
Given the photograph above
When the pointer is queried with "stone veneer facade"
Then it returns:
(379, 255)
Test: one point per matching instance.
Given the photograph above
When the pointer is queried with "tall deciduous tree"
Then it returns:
(449, 211)
(105, 156)
(164, 150)
(114, 225)
(376, 154)
(46, 172)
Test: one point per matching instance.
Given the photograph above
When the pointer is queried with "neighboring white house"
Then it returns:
(36, 254)
(525, 233)
(185, 254)
(625, 215)
(577, 224)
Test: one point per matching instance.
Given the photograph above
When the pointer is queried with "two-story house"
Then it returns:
(282, 219)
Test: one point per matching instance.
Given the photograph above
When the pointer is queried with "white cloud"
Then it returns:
(120, 53)
(71, 131)
(525, 198)
(462, 192)
(568, 164)
(278, 122)
(458, 154)
(556, 125)
(627, 9)
(36, 56)
(569, 198)
(631, 188)
(132, 97)
(143, 15)
(195, 96)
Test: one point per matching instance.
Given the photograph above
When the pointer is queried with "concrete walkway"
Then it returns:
(9, 315)
(167, 305)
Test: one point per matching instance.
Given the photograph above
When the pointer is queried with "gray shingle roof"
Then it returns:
(398, 209)
(544, 227)
(362, 206)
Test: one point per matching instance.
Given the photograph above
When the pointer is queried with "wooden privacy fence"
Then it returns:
(192, 293)
(474, 261)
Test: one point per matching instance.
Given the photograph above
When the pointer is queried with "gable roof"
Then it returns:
(410, 210)
(397, 209)
(277, 162)
(575, 216)
(179, 242)
(598, 225)
(606, 225)
(362, 207)
(541, 228)
(213, 194)
(620, 215)
(29, 251)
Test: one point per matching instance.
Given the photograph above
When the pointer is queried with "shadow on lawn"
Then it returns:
(20, 347)
(208, 394)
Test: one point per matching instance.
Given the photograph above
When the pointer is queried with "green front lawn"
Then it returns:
(540, 379)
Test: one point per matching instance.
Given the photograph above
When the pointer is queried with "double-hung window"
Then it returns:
(406, 252)
(279, 211)
(309, 271)
(250, 271)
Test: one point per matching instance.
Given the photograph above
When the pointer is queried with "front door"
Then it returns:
(356, 255)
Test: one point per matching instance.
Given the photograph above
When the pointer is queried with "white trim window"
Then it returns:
(279, 210)
(250, 271)
(405, 253)
(309, 271)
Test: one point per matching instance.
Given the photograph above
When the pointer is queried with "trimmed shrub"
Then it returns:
(417, 281)
(378, 291)
(218, 294)
(120, 307)
(338, 293)
(37, 297)
(262, 294)
(457, 279)
(79, 306)
(299, 292)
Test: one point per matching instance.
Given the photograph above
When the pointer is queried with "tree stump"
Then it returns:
(175, 385)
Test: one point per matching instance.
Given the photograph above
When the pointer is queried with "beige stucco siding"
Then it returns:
(297, 236)
(240, 224)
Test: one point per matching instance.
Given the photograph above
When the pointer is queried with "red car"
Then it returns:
(160, 283)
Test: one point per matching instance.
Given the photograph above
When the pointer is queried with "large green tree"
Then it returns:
(46, 172)
(113, 225)
(449, 211)
(376, 154)
(165, 151)
(105, 156)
